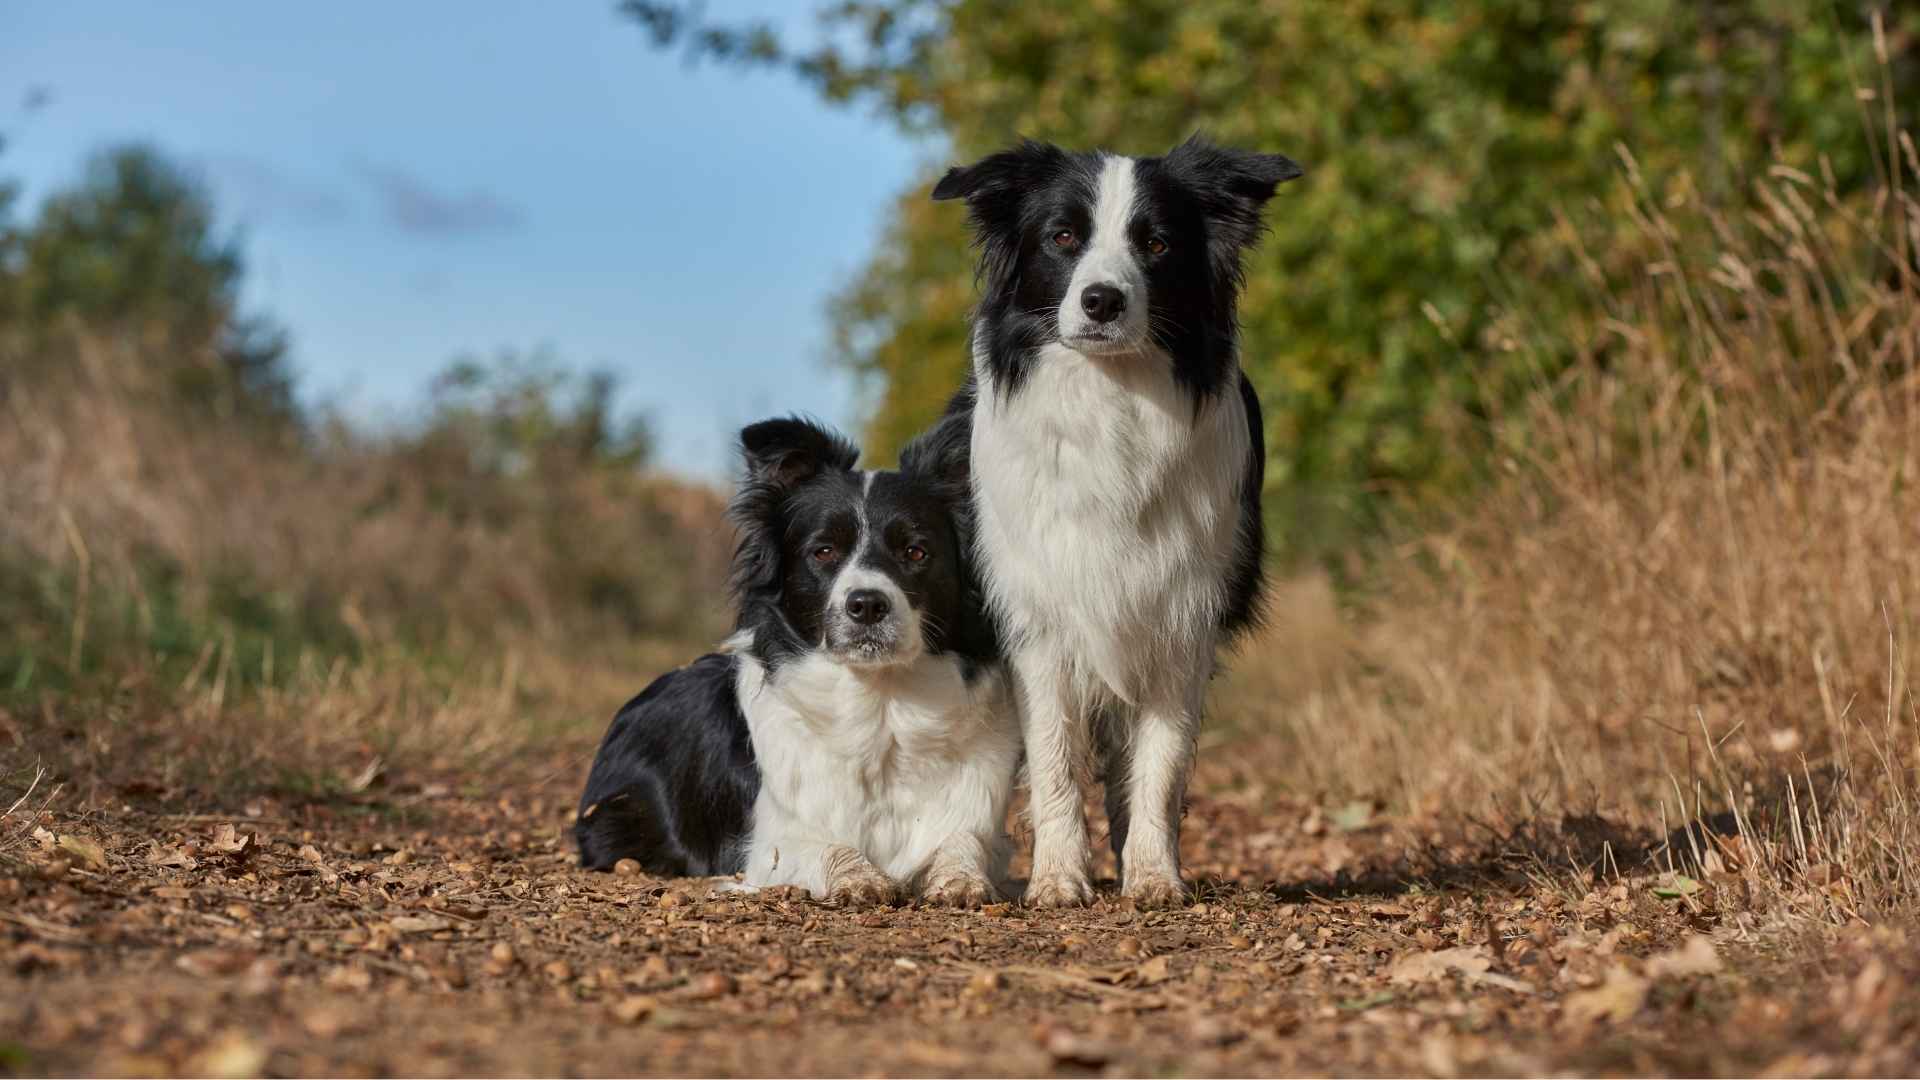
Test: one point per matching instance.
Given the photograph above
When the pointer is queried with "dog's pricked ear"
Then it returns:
(960, 182)
(1028, 164)
(941, 455)
(1240, 173)
(780, 455)
(1233, 185)
(995, 188)
(787, 451)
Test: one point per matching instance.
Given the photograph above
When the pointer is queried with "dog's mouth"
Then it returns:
(1100, 340)
(860, 646)
(866, 652)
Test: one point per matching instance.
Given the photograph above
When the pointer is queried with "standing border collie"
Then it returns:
(855, 736)
(1117, 467)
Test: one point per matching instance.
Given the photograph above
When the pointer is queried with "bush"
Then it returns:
(1445, 141)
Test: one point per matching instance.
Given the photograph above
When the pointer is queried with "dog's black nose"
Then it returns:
(867, 606)
(1102, 303)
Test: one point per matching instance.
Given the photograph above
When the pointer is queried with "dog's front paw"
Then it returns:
(1058, 891)
(864, 888)
(1155, 891)
(961, 890)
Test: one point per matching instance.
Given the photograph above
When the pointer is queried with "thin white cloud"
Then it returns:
(410, 205)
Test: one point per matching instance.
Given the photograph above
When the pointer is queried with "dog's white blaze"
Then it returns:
(1109, 259)
(908, 764)
(902, 622)
(864, 534)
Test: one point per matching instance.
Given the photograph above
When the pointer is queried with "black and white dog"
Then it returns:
(855, 735)
(1117, 467)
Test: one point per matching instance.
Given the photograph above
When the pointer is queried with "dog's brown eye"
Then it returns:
(1157, 246)
(824, 552)
(1064, 238)
(916, 553)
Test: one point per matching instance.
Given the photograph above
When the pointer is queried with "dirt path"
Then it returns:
(436, 929)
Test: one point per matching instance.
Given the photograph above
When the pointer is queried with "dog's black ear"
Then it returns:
(940, 456)
(1028, 164)
(1232, 184)
(941, 459)
(780, 454)
(787, 451)
(995, 187)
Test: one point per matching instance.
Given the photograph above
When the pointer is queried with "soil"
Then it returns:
(436, 925)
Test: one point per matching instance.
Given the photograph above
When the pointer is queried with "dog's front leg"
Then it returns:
(1156, 783)
(852, 879)
(1056, 735)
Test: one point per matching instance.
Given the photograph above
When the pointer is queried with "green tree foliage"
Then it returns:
(1459, 154)
(133, 247)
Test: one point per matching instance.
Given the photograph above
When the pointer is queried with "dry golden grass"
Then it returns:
(197, 606)
(390, 537)
(1691, 590)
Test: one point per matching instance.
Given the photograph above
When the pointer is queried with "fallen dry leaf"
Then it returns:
(1153, 972)
(169, 856)
(214, 962)
(1430, 966)
(416, 924)
(87, 851)
(1696, 957)
(634, 1008)
(1675, 886)
(1613, 1001)
(233, 843)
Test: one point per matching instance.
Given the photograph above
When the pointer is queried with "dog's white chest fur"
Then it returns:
(1109, 509)
(893, 763)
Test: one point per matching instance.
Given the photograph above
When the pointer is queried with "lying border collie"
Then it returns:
(1117, 467)
(854, 736)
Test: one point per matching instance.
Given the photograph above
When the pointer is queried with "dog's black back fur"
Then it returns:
(674, 781)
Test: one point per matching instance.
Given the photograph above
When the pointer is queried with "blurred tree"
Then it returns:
(9, 244)
(9, 240)
(514, 415)
(133, 248)
(1453, 148)
(518, 442)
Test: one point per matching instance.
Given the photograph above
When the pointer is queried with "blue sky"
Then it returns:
(415, 181)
